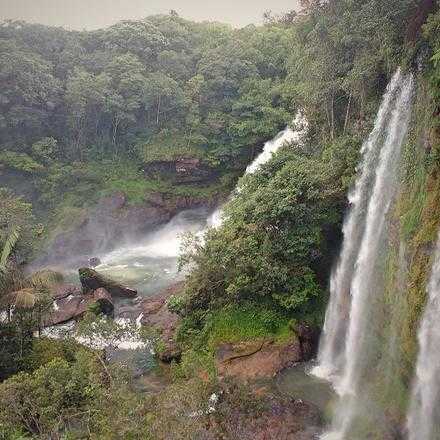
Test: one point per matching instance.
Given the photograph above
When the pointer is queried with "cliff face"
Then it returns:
(113, 221)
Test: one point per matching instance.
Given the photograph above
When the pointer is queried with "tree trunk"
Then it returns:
(347, 115)
(332, 131)
(158, 109)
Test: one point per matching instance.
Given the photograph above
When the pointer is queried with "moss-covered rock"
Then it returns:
(91, 280)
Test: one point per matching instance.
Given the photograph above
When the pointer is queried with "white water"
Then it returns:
(331, 350)
(424, 413)
(285, 137)
(364, 288)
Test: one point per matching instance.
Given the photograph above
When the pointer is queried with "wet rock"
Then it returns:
(182, 170)
(309, 339)
(92, 280)
(72, 305)
(113, 202)
(62, 291)
(94, 262)
(157, 317)
(103, 301)
(257, 359)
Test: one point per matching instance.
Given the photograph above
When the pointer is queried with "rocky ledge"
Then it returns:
(264, 358)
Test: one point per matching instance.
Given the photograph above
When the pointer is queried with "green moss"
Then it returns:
(246, 323)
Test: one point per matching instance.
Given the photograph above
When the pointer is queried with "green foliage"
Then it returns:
(274, 240)
(176, 303)
(246, 322)
(8, 247)
(68, 391)
(431, 34)
(20, 162)
(16, 217)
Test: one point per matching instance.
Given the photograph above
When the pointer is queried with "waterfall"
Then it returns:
(331, 349)
(363, 277)
(287, 136)
(424, 413)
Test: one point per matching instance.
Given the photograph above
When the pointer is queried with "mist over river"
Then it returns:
(150, 263)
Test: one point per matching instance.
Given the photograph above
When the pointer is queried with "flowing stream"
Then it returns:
(424, 413)
(347, 346)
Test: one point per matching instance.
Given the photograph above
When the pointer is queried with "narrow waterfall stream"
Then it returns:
(287, 136)
(347, 347)
(424, 412)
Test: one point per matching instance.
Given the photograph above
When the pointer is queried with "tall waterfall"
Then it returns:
(424, 412)
(331, 350)
(287, 136)
(356, 286)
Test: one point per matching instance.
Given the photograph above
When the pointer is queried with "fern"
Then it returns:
(8, 247)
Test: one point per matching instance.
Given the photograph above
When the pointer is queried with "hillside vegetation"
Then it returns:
(83, 113)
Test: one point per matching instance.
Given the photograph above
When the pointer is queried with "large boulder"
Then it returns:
(92, 280)
(70, 304)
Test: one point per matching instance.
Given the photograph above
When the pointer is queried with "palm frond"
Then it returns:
(44, 279)
(8, 247)
(22, 299)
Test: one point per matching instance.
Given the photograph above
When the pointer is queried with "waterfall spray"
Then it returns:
(424, 413)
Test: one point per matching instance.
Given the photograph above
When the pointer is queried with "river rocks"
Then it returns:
(61, 291)
(92, 280)
(103, 301)
(70, 304)
(257, 359)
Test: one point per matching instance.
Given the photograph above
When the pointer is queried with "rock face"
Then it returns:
(181, 170)
(309, 339)
(70, 303)
(92, 280)
(156, 316)
(257, 359)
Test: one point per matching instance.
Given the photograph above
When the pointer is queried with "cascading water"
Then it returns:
(365, 287)
(424, 413)
(287, 136)
(331, 348)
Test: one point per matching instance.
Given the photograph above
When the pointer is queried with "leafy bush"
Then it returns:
(274, 240)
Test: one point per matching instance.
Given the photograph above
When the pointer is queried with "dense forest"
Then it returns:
(165, 114)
